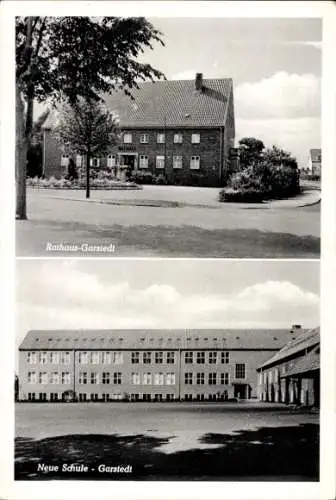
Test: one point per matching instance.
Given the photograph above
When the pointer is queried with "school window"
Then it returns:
(106, 378)
(136, 378)
(188, 378)
(135, 357)
(225, 357)
(144, 138)
(170, 379)
(31, 396)
(43, 358)
(43, 396)
(178, 138)
(212, 357)
(224, 378)
(54, 358)
(65, 160)
(127, 138)
(31, 358)
(111, 161)
(94, 378)
(195, 138)
(117, 378)
(95, 358)
(147, 358)
(117, 358)
(65, 358)
(240, 370)
(147, 378)
(200, 358)
(65, 378)
(32, 379)
(83, 358)
(212, 378)
(195, 162)
(160, 138)
(43, 378)
(94, 162)
(158, 379)
(106, 358)
(159, 358)
(200, 378)
(170, 357)
(177, 161)
(54, 378)
(188, 357)
(82, 379)
(160, 162)
(143, 161)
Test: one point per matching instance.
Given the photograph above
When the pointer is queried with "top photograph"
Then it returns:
(168, 137)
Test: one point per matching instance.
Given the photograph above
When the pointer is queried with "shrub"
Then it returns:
(142, 177)
(160, 180)
(249, 195)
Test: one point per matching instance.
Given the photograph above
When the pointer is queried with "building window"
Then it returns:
(200, 358)
(195, 138)
(188, 357)
(144, 138)
(66, 378)
(177, 161)
(158, 379)
(32, 378)
(117, 358)
(188, 378)
(79, 160)
(225, 357)
(65, 358)
(54, 396)
(54, 358)
(143, 162)
(65, 160)
(43, 358)
(94, 162)
(95, 358)
(136, 378)
(147, 378)
(160, 162)
(224, 378)
(83, 358)
(127, 138)
(82, 379)
(147, 358)
(212, 378)
(160, 138)
(200, 378)
(170, 379)
(106, 378)
(111, 161)
(240, 370)
(31, 358)
(43, 396)
(94, 378)
(54, 378)
(106, 358)
(117, 378)
(178, 138)
(212, 357)
(135, 357)
(159, 358)
(170, 357)
(195, 162)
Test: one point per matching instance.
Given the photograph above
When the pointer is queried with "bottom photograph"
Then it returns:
(167, 370)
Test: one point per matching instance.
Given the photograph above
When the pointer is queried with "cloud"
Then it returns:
(282, 96)
(76, 299)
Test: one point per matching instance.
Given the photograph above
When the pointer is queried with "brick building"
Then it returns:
(181, 130)
(145, 365)
(293, 374)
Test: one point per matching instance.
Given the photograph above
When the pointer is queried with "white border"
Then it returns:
(325, 489)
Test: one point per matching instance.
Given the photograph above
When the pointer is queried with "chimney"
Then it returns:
(199, 81)
(295, 328)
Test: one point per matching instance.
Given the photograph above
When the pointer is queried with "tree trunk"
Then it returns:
(88, 174)
(21, 148)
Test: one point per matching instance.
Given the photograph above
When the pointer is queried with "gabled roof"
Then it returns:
(306, 339)
(173, 103)
(315, 154)
(273, 339)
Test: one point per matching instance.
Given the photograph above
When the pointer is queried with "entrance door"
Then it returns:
(240, 391)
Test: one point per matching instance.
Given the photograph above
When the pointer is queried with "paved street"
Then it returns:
(169, 230)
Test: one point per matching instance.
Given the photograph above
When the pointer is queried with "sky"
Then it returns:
(104, 293)
(275, 65)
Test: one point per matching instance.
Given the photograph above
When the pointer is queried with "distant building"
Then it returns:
(293, 374)
(181, 130)
(313, 167)
(145, 365)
